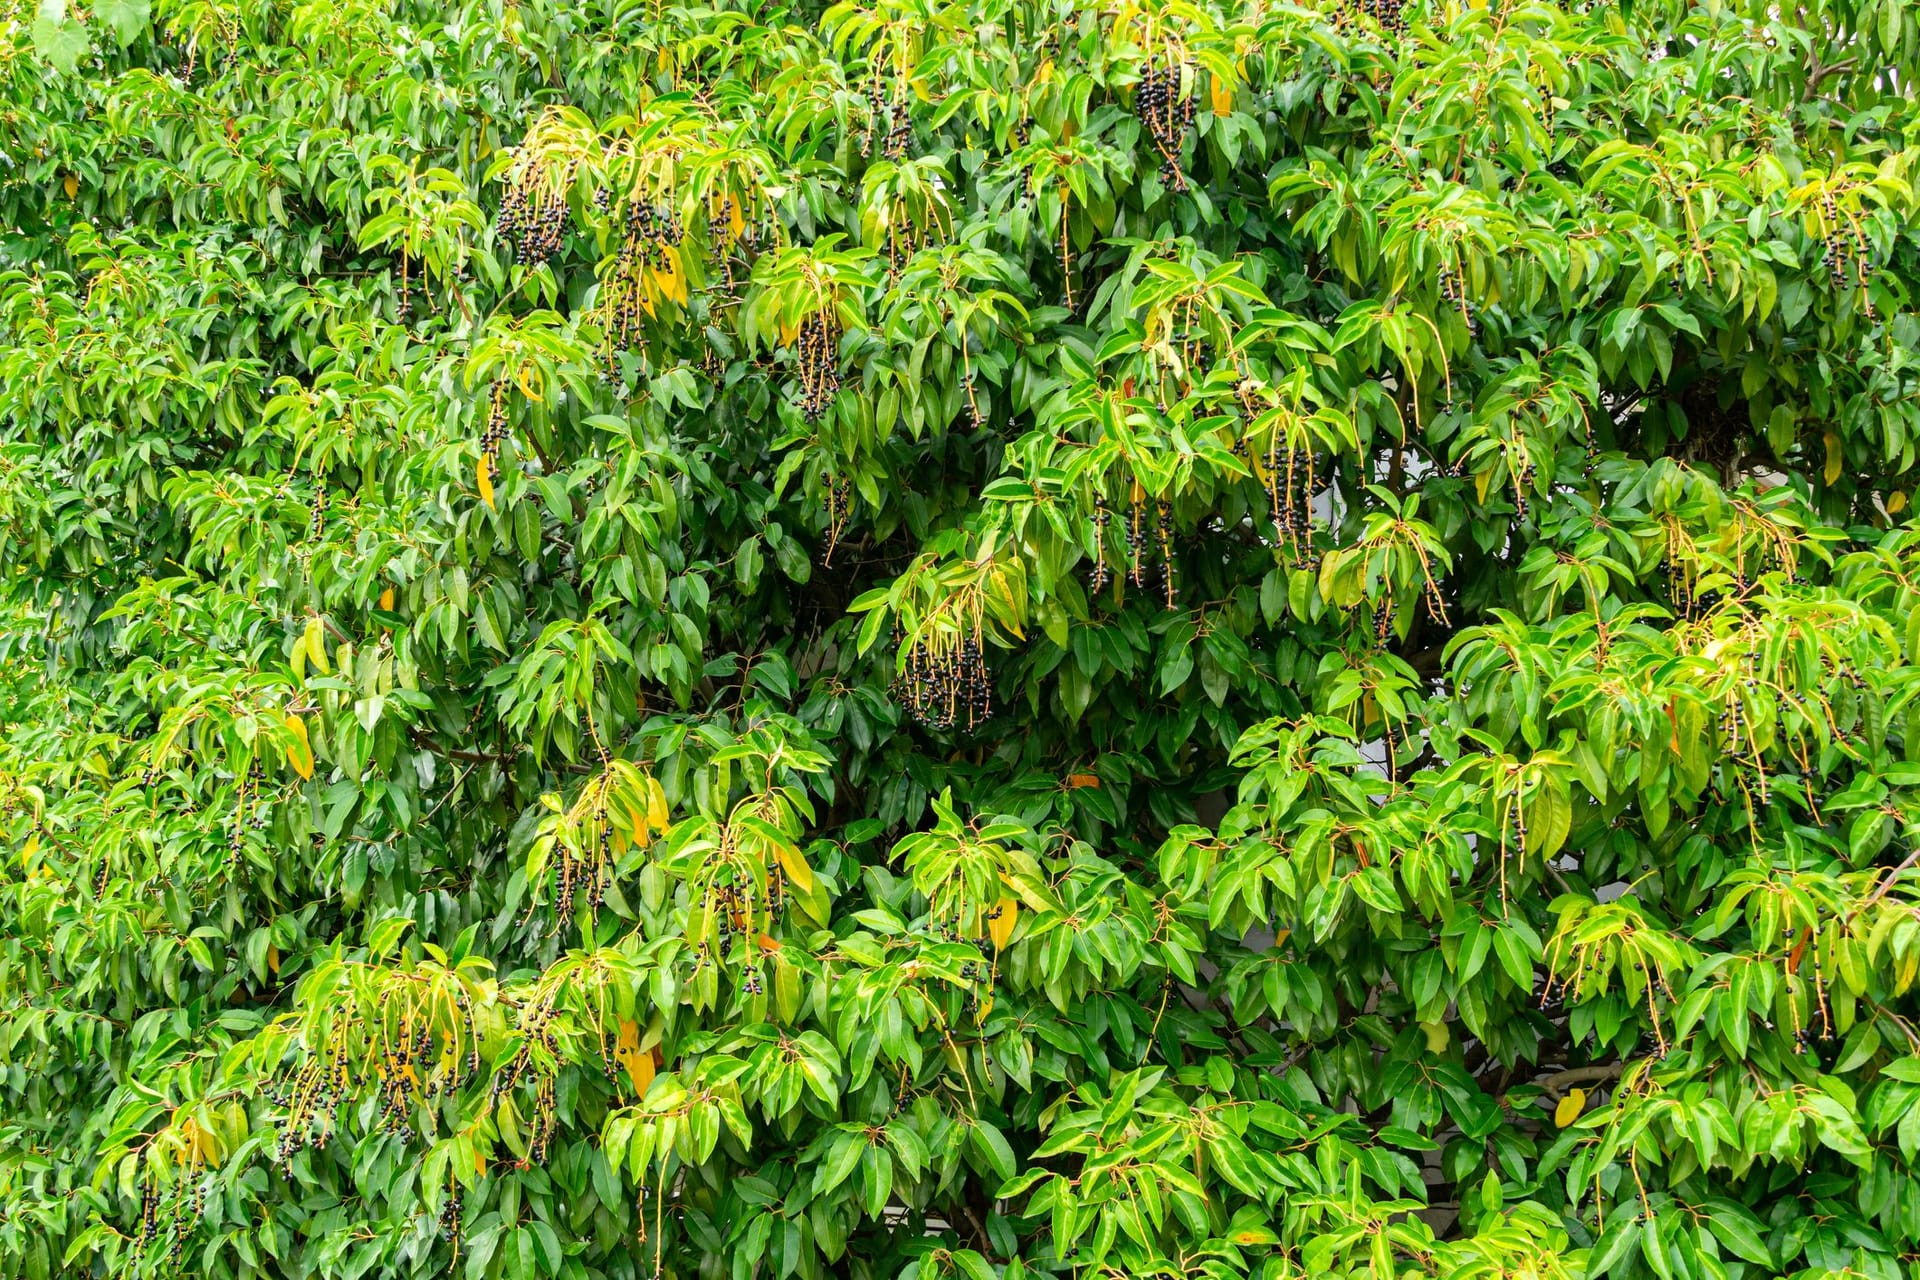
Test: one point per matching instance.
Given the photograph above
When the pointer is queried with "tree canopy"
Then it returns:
(959, 638)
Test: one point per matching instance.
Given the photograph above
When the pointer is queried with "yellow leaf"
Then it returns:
(1570, 1107)
(636, 821)
(789, 332)
(798, 872)
(656, 805)
(668, 280)
(1480, 483)
(1437, 1036)
(273, 959)
(485, 474)
(1001, 925)
(736, 220)
(71, 185)
(1834, 456)
(1221, 92)
(300, 750)
(202, 1147)
(1897, 502)
(386, 600)
(1045, 73)
(316, 639)
(627, 1052)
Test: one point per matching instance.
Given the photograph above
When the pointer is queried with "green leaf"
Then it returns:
(128, 18)
(62, 41)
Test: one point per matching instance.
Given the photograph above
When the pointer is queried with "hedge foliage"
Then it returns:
(959, 638)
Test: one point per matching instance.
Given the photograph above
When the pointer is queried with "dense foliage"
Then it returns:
(959, 638)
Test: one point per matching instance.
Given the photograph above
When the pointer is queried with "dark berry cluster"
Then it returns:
(533, 215)
(1516, 832)
(1166, 113)
(1136, 543)
(495, 433)
(1163, 525)
(1843, 246)
(449, 1220)
(975, 416)
(589, 865)
(728, 229)
(1523, 481)
(887, 119)
(313, 1098)
(538, 1031)
(1102, 517)
(839, 508)
(650, 238)
(1290, 480)
(1679, 585)
(819, 356)
(652, 231)
(876, 106)
(248, 813)
(732, 911)
(1389, 14)
(1734, 717)
(1453, 294)
(947, 684)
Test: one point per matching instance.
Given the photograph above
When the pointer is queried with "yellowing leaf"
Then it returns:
(485, 475)
(1001, 924)
(799, 874)
(657, 817)
(627, 1052)
(1075, 781)
(668, 280)
(300, 750)
(273, 959)
(1570, 1107)
(386, 600)
(789, 332)
(736, 220)
(1897, 502)
(1834, 456)
(202, 1147)
(1480, 482)
(1045, 73)
(71, 185)
(316, 641)
(1221, 92)
(1437, 1036)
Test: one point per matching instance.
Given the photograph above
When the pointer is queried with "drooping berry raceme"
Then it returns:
(1163, 103)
